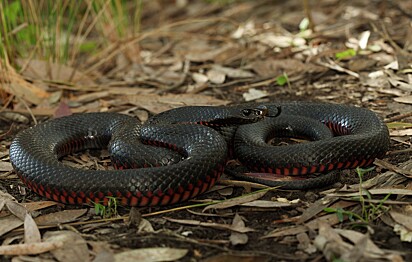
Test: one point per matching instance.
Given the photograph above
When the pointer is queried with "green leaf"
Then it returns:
(282, 80)
(398, 125)
(11, 11)
(304, 24)
(346, 54)
(88, 47)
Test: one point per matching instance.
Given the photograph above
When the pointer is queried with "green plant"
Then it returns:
(348, 53)
(283, 80)
(108, 211)
(57, 31)
(369, 210)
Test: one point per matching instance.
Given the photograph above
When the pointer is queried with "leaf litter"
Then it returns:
(202, 53)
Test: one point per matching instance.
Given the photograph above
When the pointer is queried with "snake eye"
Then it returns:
(246, 112)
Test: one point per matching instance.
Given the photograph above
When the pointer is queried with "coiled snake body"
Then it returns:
(356, 138)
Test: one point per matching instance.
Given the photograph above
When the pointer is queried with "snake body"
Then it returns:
(354, 137)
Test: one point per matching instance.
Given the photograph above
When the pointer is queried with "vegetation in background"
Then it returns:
(58, 31)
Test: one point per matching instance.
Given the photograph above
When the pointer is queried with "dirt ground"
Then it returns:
(201, 53)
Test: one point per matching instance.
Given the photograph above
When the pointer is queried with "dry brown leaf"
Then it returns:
(403, 219)
(29, 249)
(286, 231)
(316, 208)
(266, 204)
(74, 248)
(33, 206)
(330, 243)
(235, 237)
(404, 132)
(253, 94)
(90, 97)
(157, 103)
(233, 72)
(16, 85)
(64, 216)
(5, 166)
(45, 70)
(31, 231)
(404, 99)
(62, 110)
(9, 223)
(276, 67)
(151, 254)
(236, 201)
(235, 228)
(17, 209)
(216, 76)
(358, 238)
(199, 78)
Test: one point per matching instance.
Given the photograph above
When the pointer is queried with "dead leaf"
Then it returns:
(17, 209)
(62, 110)
(14, 83)
(403, 219)
(151, 254)
(253, 94)
(235, 228)
(31, 231)
(305, 243)
(5, 166)
(216, 76)
(61, 217)
(47, 70)
(157, 103)
(199, 78)
(29, 249)
(233, 72)
(33, 206)
(266, 204)
(74, 248)
(237, 201)
(404, 99)
(235, 237)
(9, 223)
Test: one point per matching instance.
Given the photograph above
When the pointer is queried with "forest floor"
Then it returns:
(359, 53)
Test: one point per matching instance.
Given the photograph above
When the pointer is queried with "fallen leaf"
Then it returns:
(17, 209)
(5, 166)
(61, 217)
(237, 201)
(404, 99)
(253, 94)
(9, 223)
(33, 206)
(62, 110)
(14, 83)
(266, 204)
(47, 70)
(233, 72)
(216, 76)
(29, 249)
(405, 132)
(237, 238)
(235, 228)
(158, 103)
(151, 254)
(31, 231)
(400, 218)
(199, 78)
(74, 248)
